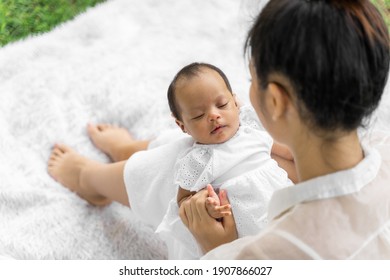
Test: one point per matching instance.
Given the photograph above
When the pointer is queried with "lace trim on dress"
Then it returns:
(195, 170)
(249, 118)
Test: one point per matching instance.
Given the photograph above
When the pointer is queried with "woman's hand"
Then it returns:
(208, 232)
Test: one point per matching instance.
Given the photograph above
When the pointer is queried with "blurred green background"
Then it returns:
(20, 18)
(384, 7)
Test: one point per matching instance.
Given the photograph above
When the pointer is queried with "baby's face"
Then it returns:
(208, 109)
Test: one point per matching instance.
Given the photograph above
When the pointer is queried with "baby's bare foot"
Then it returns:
(66, 167)
(109, 139)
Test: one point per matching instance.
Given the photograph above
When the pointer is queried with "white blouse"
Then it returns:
(344, 215)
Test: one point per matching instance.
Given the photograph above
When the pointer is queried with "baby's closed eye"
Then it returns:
(223, 105)
(198, 117)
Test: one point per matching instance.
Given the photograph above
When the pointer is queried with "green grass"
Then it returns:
(20, 18)
(384, 7)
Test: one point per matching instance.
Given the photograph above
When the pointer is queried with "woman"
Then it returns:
(318, 70)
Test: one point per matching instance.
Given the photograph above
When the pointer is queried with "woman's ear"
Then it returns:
(277, 101)
(181, 125)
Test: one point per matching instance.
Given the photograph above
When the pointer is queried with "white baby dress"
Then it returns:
(242, 166)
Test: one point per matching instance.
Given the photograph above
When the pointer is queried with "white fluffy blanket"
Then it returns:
(111, 64)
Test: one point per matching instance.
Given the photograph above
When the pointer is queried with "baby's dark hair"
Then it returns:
(188, 72)
(335, 54)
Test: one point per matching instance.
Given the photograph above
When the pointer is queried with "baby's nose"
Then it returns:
(214, 116)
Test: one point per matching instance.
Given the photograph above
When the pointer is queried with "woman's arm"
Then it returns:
(208, 232)
(282, 155)
(282, 151)
(182, 195)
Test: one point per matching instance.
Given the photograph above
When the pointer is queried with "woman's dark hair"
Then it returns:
(188, 72)
(335, 53)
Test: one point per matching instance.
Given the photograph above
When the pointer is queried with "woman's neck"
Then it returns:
(316, 157)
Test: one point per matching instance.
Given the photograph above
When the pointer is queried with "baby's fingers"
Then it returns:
(219, 211)
(211, 202)
(223, 208)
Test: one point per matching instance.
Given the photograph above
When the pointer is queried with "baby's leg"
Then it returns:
(116, 142)
(97, 183)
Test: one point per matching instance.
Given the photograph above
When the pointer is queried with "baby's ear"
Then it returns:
(181, 125)
(237, 101)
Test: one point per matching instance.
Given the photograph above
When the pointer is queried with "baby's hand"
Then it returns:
(213, 205)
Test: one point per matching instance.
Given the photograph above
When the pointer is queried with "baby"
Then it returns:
(222, 146)
(230, 150)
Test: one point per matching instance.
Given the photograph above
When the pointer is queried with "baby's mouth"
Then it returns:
(218, 128)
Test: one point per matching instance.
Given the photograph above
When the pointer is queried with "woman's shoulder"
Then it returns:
(378, 140)
(382, 145)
